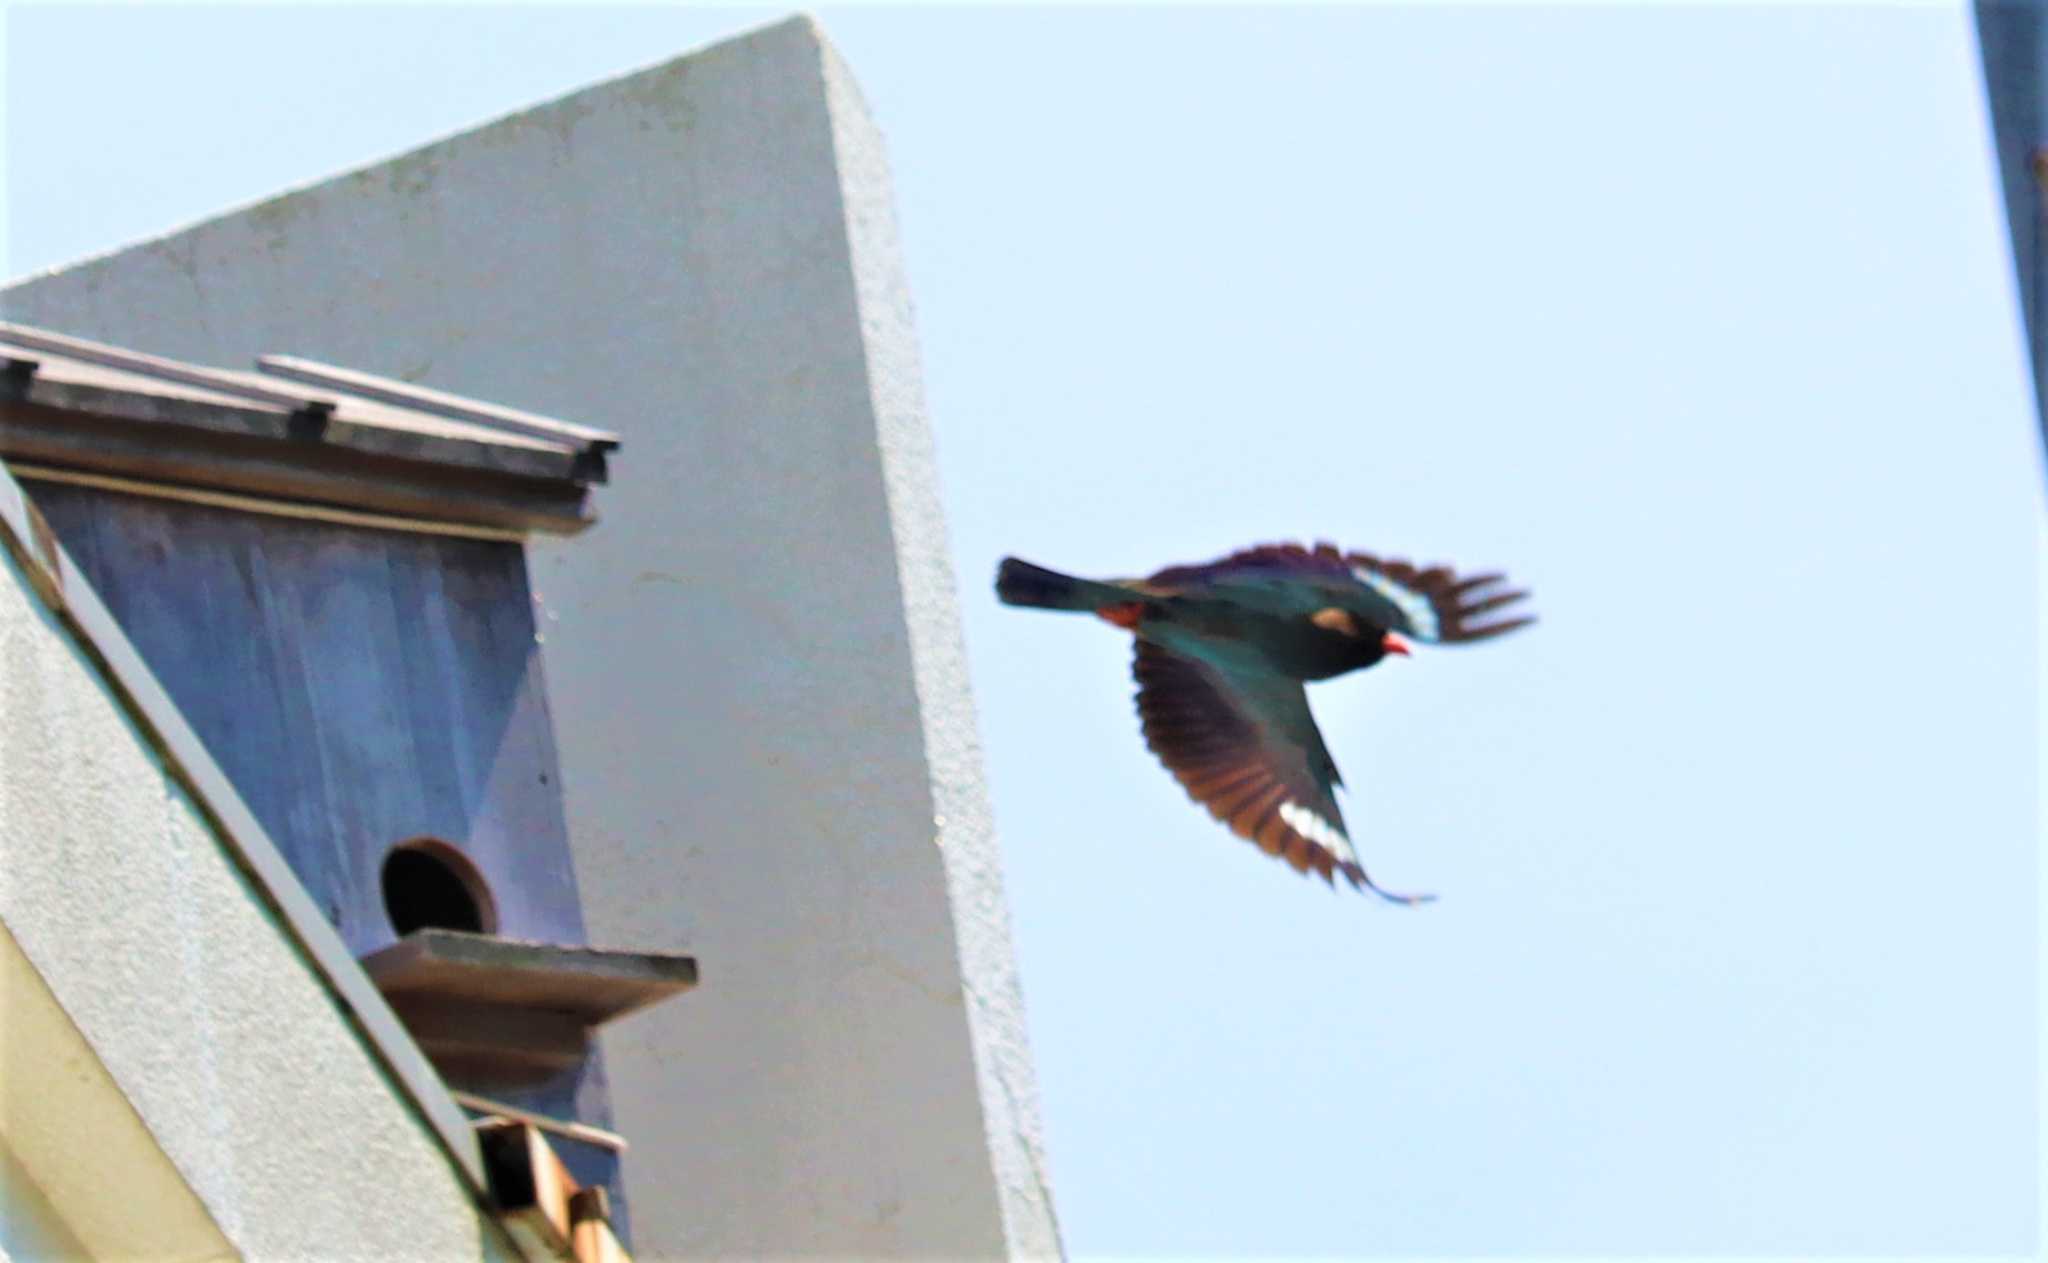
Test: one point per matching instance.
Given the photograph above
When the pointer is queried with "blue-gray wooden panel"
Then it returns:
(360, 687)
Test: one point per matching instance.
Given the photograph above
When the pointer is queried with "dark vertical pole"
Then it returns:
(2010, 37)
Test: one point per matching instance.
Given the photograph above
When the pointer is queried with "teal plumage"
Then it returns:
(1223, 652)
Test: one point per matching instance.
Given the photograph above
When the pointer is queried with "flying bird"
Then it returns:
(1224, 650)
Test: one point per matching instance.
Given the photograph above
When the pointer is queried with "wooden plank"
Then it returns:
(502, 1013)
(142, 364)
(547, 1212)
(590, 1230)
(529, 1185)
(425, 399)
(167, 412)
(592, 1241)
(485, 1044)
(554, 1126)
(592, 985)
(311, 437)
(92, 378)
(264, 466)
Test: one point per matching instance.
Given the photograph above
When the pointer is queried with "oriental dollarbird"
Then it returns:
(1223, 652)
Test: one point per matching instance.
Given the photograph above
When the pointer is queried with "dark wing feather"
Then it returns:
(1428, 603)
(1245, 746)
(1267, 561)
(1438, 604)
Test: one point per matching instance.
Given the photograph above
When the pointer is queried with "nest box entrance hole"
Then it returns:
(428, 884)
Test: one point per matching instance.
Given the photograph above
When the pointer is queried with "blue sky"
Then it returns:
(1697, 320)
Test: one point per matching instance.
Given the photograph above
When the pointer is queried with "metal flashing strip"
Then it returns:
(260, 504)
(135, 688)
(425, 399)
(167, 370)
(569, 1127)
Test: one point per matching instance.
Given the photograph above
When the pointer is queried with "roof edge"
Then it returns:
(297, 434)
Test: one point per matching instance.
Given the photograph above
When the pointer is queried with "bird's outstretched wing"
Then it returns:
(1243, 744)
(1428, 603)
(1436, 604)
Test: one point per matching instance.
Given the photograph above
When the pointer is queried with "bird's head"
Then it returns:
(1370, 643)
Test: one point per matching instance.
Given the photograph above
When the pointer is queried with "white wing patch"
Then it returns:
(1311, 825)
(1414, 607)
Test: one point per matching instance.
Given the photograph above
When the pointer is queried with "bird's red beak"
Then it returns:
(1393, 644)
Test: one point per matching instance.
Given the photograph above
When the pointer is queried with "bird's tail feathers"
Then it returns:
(1021, 583)
(1355, 873)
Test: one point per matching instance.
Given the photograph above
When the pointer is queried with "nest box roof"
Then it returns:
(294, 432)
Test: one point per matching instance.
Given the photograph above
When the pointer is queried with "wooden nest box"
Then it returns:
(326, 572)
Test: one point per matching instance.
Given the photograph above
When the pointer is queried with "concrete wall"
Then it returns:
(225, 1042)
(754, 661)
(81, 1177)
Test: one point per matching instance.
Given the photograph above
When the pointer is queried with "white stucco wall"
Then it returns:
(754, 660)
(218, 1031)
(81, 1176)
